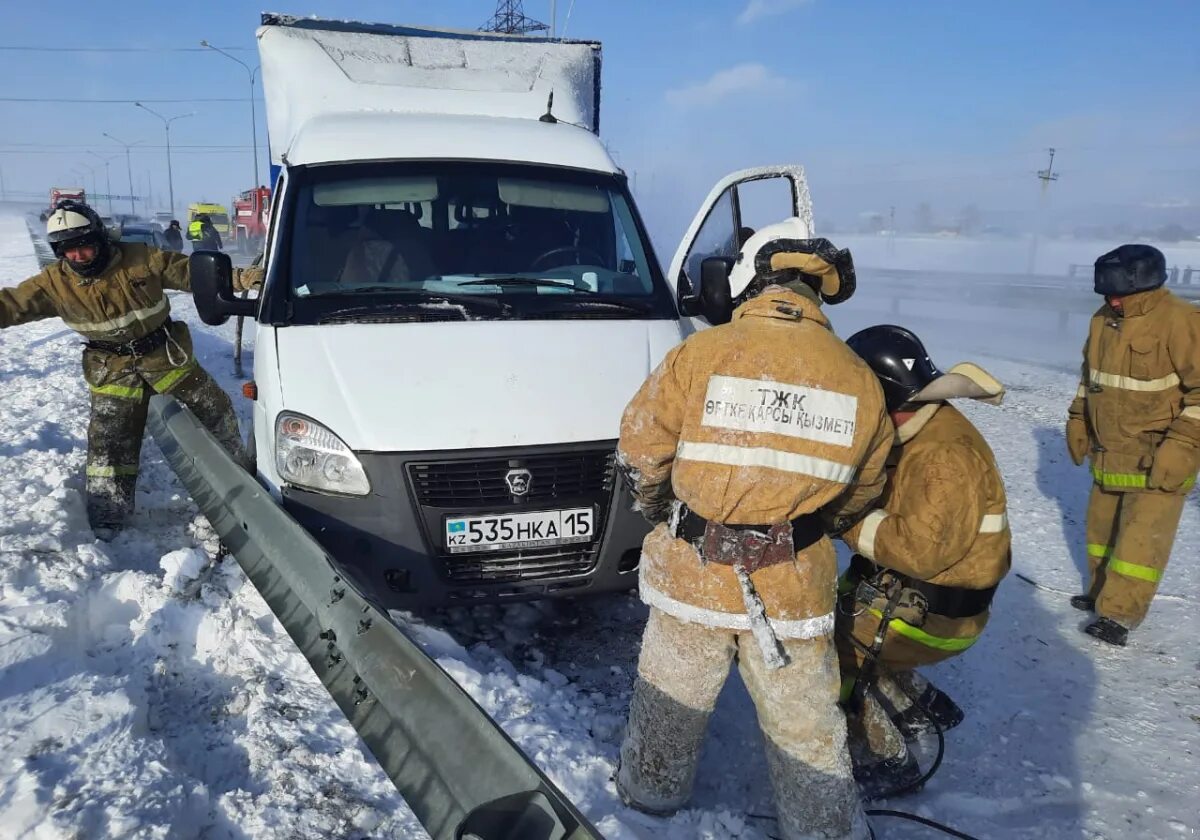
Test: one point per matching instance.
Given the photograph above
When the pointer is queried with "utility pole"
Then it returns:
(107, 180)
(128, 166)
(167, 126)
(1045, 176)
(1048, 174)
(892, 231)
(253, 113)
(510, 19)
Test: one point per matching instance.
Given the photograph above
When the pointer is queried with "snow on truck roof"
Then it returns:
(388, 136)
(382, 92)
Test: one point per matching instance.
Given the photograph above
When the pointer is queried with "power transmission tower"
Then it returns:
(510, 19)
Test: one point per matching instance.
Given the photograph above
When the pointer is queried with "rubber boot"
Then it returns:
(896, 776)
(933, 706)
(1107, 630)
(1083, 602)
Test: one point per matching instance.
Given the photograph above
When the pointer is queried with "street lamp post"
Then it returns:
(166, 121)
(107, 180)
(253, 112)
(128, 166)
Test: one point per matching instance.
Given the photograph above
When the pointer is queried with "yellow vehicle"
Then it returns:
(217, 213)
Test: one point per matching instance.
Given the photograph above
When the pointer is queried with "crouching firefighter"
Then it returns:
(1136, 417)
(927, 560)
(112, 294)
(732, 446)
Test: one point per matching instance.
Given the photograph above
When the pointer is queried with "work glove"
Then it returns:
(1077, 439)
(1175, 464)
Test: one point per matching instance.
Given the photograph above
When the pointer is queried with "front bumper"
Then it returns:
(390, 542)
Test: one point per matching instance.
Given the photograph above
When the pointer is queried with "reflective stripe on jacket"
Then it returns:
(755, 422)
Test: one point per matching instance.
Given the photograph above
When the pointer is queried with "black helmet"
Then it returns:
(1130, 269)
(899, 360)
(203, 219)
(74, 223)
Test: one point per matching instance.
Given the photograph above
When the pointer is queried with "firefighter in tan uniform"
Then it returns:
(938, 544)
(112, 294)
(733, 445)
(1137, 414)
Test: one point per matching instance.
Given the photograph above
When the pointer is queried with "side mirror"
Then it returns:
(212, 288)
(715, 301)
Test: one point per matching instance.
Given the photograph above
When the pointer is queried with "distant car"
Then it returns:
(147, 234)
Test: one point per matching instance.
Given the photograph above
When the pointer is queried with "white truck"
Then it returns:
(460, 299)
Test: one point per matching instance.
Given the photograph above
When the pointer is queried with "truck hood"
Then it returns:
(317, 68)
(439, 386)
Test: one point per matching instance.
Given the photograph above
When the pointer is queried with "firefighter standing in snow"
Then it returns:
(732, 445)
(113, 295)
(1137, 415)
(939, 541)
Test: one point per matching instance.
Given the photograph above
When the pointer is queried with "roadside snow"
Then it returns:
(147, 692)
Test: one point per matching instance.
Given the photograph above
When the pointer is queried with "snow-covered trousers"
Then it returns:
(116, 427)
(1129, 539)
(680, 674)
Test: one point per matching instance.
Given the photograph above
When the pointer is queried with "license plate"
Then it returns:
(500, 532)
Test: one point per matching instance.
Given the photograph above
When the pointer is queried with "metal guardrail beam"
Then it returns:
(461, 775)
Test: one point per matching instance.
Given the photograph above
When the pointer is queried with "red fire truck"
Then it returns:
(251, 210)
(57, 194)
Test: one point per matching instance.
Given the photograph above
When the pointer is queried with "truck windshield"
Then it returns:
(539, 242)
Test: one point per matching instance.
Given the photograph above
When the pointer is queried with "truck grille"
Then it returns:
(472, 483)
(553, 563)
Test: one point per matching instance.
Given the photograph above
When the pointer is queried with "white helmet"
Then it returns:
(785, 248)
(75, 222)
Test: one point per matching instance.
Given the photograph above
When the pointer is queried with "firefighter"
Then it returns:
(732, 446)
(202, 232)
(938, 544)
(112, 294)
(1137, 416)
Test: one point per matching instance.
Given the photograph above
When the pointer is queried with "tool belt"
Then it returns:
(135, 347)
(752, 547)
(946, 601)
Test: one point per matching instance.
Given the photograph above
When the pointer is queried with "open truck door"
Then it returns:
(737, 205)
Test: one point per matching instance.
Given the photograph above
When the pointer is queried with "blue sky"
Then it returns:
(886, 103)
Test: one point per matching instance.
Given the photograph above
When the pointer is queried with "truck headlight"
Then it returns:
(310, 456)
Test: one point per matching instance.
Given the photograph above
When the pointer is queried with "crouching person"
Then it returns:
(927, 561)
(732, 445)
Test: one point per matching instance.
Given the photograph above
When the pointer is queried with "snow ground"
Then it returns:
(147, 693)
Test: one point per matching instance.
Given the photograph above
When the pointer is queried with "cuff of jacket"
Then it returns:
(1078, 408)
(1186, 427)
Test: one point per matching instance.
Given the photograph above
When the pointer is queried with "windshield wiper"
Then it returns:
(626, 305)
(420, 301)
(528, 281)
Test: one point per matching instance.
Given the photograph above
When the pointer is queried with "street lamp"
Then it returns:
(107, 181)
(167, 125)
(128, 166)
(253, 114)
